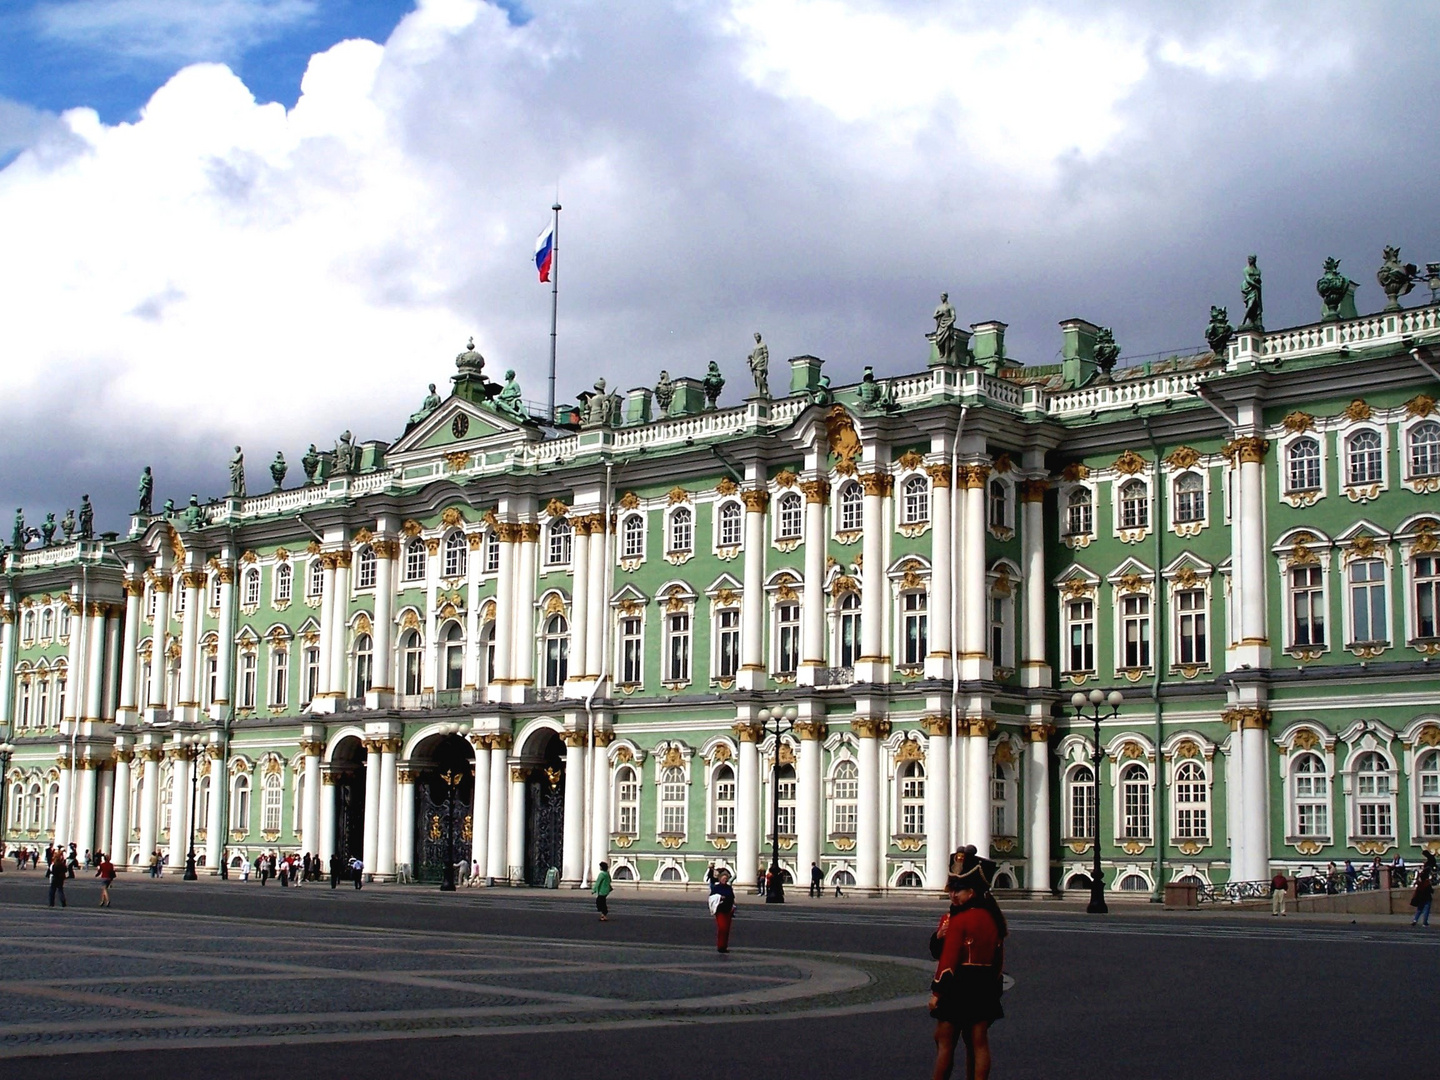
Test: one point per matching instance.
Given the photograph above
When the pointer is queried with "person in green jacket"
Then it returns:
(601, 889)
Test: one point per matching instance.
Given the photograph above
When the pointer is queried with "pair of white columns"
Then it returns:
(812, 607)
(119, 838)
(193, 582)
(381, 783)
(809, 813)
(747, 809)
(752, 604)
(180, 766)
(869, 841)
(159, 639)
(150, 757)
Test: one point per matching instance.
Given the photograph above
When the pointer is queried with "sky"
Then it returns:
(262, 222)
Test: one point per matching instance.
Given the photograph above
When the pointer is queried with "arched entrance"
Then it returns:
(347, 776)
(443, 810)
(545, 812)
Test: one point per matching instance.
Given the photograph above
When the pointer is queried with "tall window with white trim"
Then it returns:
(730, 528)
(1368, 621)
(1425, 449)
(1134, 505)
(365, 568)
(456, 554)
(555, 646)
(239, 803)
(787, 638)
(414, 561)
(1080, 622)
(785, 808)
(1192, 802)
(1079, 513)
(672, 801)
(1002, 801)
(627, 801)
(1364, 457)
(1302, 465)
(1311, 793)
(682, 531)
(1192, 638)
(633, 538)
(311, 659)
(727, 643)
(846, 801)
(315, 575)
(851, 508)
(998, 504)
(632, 652)
(1427, 787)
(561, 538)
(412, 660)
(452, 657)
(250, 593)
(1307, 606)
(723, 780)
(279, 676)
(912, 799)
(492, 552)
(791, 517)
(677, 647)
(246, 682)
(1374, 797)
(1135, 802)
(1426, 583)
(273, 803)
(915, 501)
(915, 619)
(1135, 630)
(849, 650)
(1189, 498)
(364, 664)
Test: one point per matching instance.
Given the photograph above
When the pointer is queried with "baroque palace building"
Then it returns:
(565, 638)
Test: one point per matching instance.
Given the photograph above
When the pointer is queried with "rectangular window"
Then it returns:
(279, 677)
(180, 598)
(1135, 626)
(1427, 592)
(725, 807)
(672, 814)
(559, 548)
(787, 638)
(785, 819)
(492, 553)
(215, 584)
(1367, 601)
(1192, 635)
(847, 794)
(912, 805)
(632, 656)
(247, 680)
(1080, 614)
(312, 673)
(727, 624)
(1307, 606)
(999, 622)
(414, 564)
(916, 627)
(677, 647)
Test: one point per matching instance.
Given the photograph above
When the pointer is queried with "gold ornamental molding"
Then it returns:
(1129, 463)
(572, 738)
(756, 500)
(1298, 422)
(939, 475)
(1038, 732)
(786, 478)
(677, 495)
(1075, 472)
(877, 483)
(1246, 718)
(1182, 457)
(451, 516)
(816, 491)
(911, 459)
(1358, 410)
(1420, 405)
(747, 732)
(935, 725)
(629, 501)
(673, 759)
(726, 486)
(974, 476)
(1033, 491)
(810, 730)
(1246, 450)
(1003, 464)
(909, 750)
(869, 727)
(844, 443)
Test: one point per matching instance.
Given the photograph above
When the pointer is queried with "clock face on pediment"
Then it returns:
(460, 426)
(456, 425)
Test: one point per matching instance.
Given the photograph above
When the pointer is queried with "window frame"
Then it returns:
(1075, 507)
(417, 561)
(1135, 802)
(849, 509)
(1429, 425)
(1382, 800)
(1317, 796)
(1190, 798)
(1197, 515)
(1376, 463)
(366, 569)
(454, 555)
(789, 518)
(1377, 601)
(914, 496)
(559, 544)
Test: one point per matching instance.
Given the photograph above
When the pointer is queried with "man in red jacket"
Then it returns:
(969, 946)
(106, 873)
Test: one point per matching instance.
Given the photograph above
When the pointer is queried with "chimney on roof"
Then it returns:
(987, 347)
(804, 374)
(1078, 351)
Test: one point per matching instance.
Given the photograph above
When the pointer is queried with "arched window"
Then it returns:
(1134, 505)
(1427, 784)
(1189, 498)
(998, 504)
(1368, 619)
(633, 538)
(35, 807)
(1426, 582)
(559, 546)
(1364, 459)
(42, 700)
(791, 517)
(723, 780)
(909, 880)
(17, 800)
(1003, 819)
(852, 502)
(843, 877)
(456, 550)
(1374, 798)
(23, 704)
(279, 675)
(677, 647)
(912, 799)
(47, 623)
(849, 650)
(412, 659)
(730, 515)
(214, 590)
(682, 532)
(784, 808)
(364, 663)
(240, 803)
(623, 873)
(555, 647)
(1134, 883)
(1079, 513)
(311, 659)
(415, 560)
(283, 577)
(250, 588)
(1081, 807)
(452, 657)
(672, 802)
(846, 799)
(1311, 789)
(671, 873)
(492, 552)
(273, 803)
(1135, 802)
(1425, 449)
(627, 801)
(915, 501)
(365, 568)
(1192, 802)
(27, 627)
(1302, 465)
(53, 815)
(202, 805)
(315, 577)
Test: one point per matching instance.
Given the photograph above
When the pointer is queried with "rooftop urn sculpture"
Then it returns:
(664, 392)
(278, 469)
(87, 518)
(1250, 291)
(147, 490)
(67, 523)
(509, 402)
(1332, 287)
(1395, 277)
(237, 475)
(759, 361)
(19, 535)
(1219, 332)
(944, 338)
(310, 462)
(428, 406)
(713, 383)
(47, 530)
(344, 453)
(1106, 352)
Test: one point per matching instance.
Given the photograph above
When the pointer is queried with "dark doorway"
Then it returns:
(347, 776)
(545, 814)
(435, 817)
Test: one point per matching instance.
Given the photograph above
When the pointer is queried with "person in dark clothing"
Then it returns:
(970, 952)
(817, 880)
(58, 870)
(1420, 901)
(722, 904)
(334, 870)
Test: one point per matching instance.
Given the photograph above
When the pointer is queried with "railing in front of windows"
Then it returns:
(834, 676)
(536, 694)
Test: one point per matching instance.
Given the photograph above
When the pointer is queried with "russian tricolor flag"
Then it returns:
(545, 251)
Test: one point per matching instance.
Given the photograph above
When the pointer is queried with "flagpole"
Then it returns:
(554, 304)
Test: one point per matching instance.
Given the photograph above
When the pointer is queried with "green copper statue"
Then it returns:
(47, 530)
(1251, 292)
(869, 389)
(1395, 277)
(664, 393)
(759, 361)
(147, 491)
(193, 516)
(237, 475)
(1219, 332)
(1106, 352)
(509, 402)
(713, 383)
(278, 469)
(87, 518)
(944, 338)
(428, 406)
(310, 462)
(19, 535)
(67, 523)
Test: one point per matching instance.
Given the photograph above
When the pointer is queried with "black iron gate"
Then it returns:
(350, 815)
(545, 824)
(433, 822)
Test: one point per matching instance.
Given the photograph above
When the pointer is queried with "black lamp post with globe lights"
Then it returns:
(1094, 700)
(777, 722)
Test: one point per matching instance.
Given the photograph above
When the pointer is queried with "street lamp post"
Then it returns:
(777, 722)
(6, 749)
(1094, 700)
(193, 748)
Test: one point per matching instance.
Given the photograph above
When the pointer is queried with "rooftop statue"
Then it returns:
(759, 361)
(147, 489)
(470, 362)
(509, 402)
(169, 508)
(87, 518)
(664, 393)
(1106, 352)
(600, 407)
(237, 475)
(344, 453)
(67, 523)
(278, 469)
(944, 337)
(713, 383)
(20, 534)
(821, 394)
(310, 462)
(1332, 287)
(1219, 332)
(1254, 301)
(869, 390)
(428, 406)
(1395, 277)
(47, 530)
(193, 517)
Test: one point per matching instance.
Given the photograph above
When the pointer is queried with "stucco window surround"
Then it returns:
(728, 528)
(250, 589)
(1132, 594)
(1079, 800)
(1005, 824)
(677, 635)
(455, 554)
(629, 609)
(1189, 771)
(1189, 605)
(1078, 597)
(914, 505)
(1419, 437)
(721, 791)
(1366, 572)
(1364, 459)
(910, 612)
(1002, 590)
(679, 533)
(1000, 502)
(1419, 540)
(557, 543)
(1077, 503)
(1130, 762)
(1420, 755)
(1132, 503)
(1303, 459)
(787, 520)
(366, 571)
(632, 530)
(672, 776)
(1188, 505)
(847, 511)
(842, 794)
(1304, 558)
(1371, 783)
(724, 603)
(784, 593)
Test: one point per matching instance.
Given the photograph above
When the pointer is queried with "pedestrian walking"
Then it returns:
(1279, 892)
(601, 889)
(106, 874)
(58, 870)
(722, 906)
(1350, 875)
(334, 870)
(357, 871)
(1420, 901)
(817, 880)
(969, 945)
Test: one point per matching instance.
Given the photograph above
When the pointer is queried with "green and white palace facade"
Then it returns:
(584, 628)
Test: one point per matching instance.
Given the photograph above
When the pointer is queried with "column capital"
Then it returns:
(342, 560)
(810, 730)
(1246, 450)
(194, 579)
(404, 774)
(501, 740)
(870, 727)
(572, 739)
(974, 476)
(939, 474)
(390, 744)
(312, 747)
(1039, 732)
(161, 583)
(530, 532)
(977, 727)
(604, 739)
(1033, 490)
(746, 732)
(756, 500)
(328, 779)
(519, 773)
(385, 549)
(816, 491)
(134, 586)
(1246, 718)
(125, 754)
(371, 745)
(151, 753)
(935, 725)
(877, 483)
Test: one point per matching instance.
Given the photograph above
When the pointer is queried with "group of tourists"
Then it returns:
(60, 867)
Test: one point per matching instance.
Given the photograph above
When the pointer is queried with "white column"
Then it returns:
(339, 638)
(385, 847)
(149, 800)
(747, 805)
(975, 660)
(515, 834)
(77, 685)
(937, 801)
(95, 663)
(808, 810)
(1037, 807)
(524, 633)
(120, 815)
(112, 663)
(1255, 810)
(194, 585)
(1034, 668)
(158, 639)
(496, 866)
(383, 669)
(104, 807)
(573, 856)
(85, 778)
(7, 665)
(63, 814)
(370, 849)
(327, 622)
(580, 599)
(129, 648)
(225, 653)
(480, 806)
(326, 847)
(179, 808)
(869, 732)
(977, 785)
(219, 796)
(1254, 639)
(504, 611)
(873, 587)
(310, 807)
(597, 608)
(812, 605)
(942, 535)
(752, 605)
(474, 653)
(600, 803)
(405, 815)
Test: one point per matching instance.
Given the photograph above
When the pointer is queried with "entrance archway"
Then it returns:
(545, 812)
(444, 820)
(347, 775)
